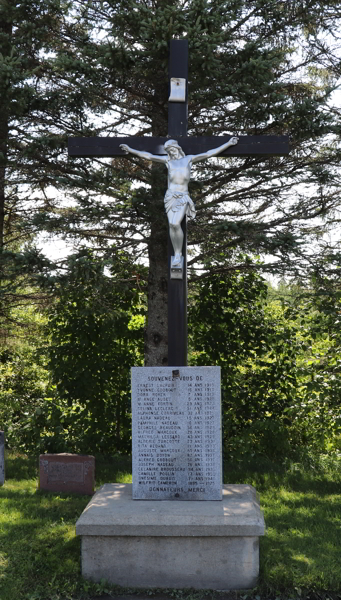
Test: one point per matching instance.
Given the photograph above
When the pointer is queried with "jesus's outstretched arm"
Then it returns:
(142, 154)
(215, 151)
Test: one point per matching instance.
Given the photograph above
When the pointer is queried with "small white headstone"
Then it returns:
(2, 458)
(176, 413)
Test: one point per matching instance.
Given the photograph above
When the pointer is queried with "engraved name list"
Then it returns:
(176, 433)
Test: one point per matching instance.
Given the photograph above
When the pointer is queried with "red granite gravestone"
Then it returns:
(71, 473)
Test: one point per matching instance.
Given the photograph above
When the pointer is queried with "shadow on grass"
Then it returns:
(265, 473)
(20, 467)
(112, 469)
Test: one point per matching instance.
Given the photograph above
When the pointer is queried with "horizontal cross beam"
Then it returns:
(248, 145)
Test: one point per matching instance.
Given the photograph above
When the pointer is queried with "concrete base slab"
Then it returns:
(167, 544)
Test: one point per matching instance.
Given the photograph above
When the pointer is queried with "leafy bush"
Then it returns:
(24, 383)
(96, 330)
(273, 404)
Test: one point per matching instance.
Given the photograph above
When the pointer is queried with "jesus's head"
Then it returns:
(173, 149)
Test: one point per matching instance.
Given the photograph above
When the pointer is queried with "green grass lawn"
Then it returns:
(300, 556)
(301, 550)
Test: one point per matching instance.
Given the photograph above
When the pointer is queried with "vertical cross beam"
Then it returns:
(178, 67)
(177, 288)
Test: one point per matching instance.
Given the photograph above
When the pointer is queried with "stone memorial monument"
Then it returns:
(177, 525)
(2, 458)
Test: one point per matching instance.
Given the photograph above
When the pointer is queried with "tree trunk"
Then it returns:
(2, 200)
(5, 36)
(156, 333)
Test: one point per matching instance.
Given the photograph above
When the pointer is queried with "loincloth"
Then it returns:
(174, 201)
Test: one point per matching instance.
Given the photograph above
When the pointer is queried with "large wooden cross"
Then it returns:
(256, 145)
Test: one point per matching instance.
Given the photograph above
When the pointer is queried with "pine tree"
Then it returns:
(256, 67)
(28, 32)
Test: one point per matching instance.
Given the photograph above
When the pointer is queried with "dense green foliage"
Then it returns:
(279, 352)
(280, 366)
(68, 389)
(96, 336)
(24, 378)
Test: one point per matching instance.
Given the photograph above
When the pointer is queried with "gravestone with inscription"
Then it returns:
(176, 419)
(2, 458)
(65, 472)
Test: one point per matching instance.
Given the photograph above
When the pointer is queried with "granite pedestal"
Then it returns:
(167, 544)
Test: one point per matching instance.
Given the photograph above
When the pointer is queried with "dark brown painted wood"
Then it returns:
(177, 288)
(248, 145)
(177, 309)
(178, 67)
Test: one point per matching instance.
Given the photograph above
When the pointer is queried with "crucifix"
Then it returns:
(178, 152)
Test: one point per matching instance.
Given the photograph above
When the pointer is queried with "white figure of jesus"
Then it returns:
(178, 202)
